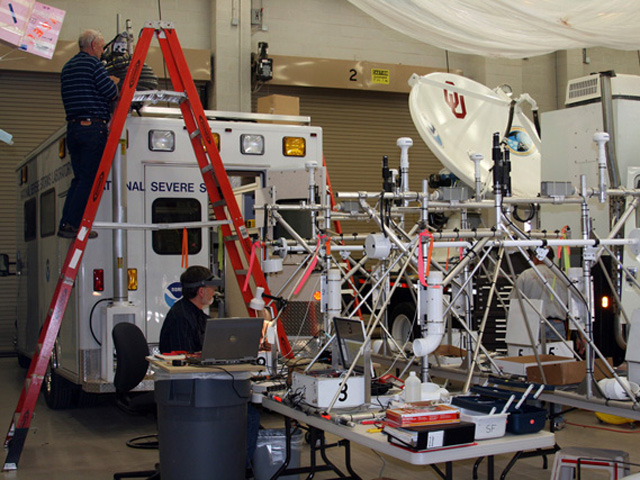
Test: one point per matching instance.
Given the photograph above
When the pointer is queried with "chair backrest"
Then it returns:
(131, 352)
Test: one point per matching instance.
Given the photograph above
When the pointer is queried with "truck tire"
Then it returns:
(402, 323)
(59, 393)
(23, 361)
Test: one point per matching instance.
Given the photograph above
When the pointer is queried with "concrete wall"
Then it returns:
(326, 29)
(191, 18)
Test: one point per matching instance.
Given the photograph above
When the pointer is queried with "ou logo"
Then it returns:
(455, 101)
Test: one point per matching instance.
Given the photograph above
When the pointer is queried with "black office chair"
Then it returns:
(131, 368)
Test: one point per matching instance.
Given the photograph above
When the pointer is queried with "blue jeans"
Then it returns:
(85, 144)
(560, 326)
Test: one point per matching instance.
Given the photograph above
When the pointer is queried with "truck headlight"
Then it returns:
(252, 144)
(162, 140)
(294, 146)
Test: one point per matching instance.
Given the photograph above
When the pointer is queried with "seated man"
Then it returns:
(184, 325)
(183, 330)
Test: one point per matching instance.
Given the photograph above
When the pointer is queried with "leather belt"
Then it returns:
(88, 121)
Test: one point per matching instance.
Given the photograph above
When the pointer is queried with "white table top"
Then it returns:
(378, 441)
(163, 370)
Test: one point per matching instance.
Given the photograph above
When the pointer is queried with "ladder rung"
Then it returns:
(219, 203)
(241, 272)
(230, 238)
(155, 96)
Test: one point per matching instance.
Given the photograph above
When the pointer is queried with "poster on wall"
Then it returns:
(31, 26)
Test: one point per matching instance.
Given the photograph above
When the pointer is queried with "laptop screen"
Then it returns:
(231, 340)
(350, 336)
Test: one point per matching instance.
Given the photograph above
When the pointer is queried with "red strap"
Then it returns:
(185, 249)
(422, 274)
(252, 259)
(311, 266)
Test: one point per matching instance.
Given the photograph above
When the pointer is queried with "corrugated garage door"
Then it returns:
(359, 127)
(31, 110)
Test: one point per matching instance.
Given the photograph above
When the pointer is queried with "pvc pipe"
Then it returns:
(601, 138)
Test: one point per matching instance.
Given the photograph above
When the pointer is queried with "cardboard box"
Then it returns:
(448, 355)
(278, 105)
(567, 373)
(519, 365)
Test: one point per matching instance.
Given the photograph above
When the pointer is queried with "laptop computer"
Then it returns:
(350, 335)
(231, 340)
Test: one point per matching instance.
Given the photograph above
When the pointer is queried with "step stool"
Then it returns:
(566, 460)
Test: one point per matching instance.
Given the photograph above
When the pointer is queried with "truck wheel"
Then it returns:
(402, 323)
(59, 393)
(23, 361)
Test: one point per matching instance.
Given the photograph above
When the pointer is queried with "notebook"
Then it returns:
(231, 340)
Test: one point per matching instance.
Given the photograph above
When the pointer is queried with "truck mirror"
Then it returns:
(4, 265)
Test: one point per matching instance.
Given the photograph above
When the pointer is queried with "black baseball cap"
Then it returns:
(211, 281)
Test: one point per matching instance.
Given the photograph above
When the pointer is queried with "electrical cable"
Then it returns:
(233, 381)
(91, 319)
(512, 107)
(382, 215)
(152, 445)
(607, 429)
(532, 214)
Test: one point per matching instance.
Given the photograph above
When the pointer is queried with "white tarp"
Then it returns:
(512, 28)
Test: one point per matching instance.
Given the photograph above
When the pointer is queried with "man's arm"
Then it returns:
(105, 85)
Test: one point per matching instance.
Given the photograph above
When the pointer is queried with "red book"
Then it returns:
(422, 413)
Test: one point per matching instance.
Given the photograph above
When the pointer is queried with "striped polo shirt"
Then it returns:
(86, 88)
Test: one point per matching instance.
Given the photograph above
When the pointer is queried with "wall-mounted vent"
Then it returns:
(587, 89)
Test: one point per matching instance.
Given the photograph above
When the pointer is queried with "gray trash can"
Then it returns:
(271, 453)
(202, 428)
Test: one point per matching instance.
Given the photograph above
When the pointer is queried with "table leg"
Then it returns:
(476, 465)
(285, 464)
(447, 474)
(490, 467)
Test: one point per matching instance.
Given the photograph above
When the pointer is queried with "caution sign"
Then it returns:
(380, 76)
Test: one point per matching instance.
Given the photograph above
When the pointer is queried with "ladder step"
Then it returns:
(241, 272)
(155, 96)
(230, 238)
(220, 203)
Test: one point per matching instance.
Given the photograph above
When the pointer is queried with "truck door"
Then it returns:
(173, 194)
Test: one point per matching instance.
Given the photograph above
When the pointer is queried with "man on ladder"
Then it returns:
(87, 91)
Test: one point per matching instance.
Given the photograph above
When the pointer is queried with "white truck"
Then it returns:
(157, 183)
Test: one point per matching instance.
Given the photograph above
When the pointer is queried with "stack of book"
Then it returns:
(422, 413)
(424, 425)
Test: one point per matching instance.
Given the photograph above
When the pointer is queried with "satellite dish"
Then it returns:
(456, 117)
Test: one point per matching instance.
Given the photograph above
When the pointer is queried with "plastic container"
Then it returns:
(526, 419)
(487, 426)
(202, 427)
(271, 452)
(412, 388)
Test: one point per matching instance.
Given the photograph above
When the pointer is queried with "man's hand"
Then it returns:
(581, 344)
(114, 79)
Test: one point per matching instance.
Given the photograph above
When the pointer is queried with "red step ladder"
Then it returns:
(236, 238)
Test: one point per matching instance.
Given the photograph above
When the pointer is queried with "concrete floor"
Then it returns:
(89, 443)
